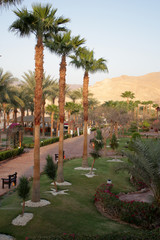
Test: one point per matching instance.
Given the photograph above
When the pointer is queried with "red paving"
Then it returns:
(23, 164)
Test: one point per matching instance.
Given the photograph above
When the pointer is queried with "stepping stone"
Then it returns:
(22, 220)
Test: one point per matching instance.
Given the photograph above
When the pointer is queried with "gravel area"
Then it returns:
(42, 203)
(6, 237)
(65, 183)
(115, 160)
(22, 220)
(62, 192)
(90, 175)
(82, 168)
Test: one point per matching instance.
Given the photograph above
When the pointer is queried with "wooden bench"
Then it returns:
(56, 156)
(11, 179)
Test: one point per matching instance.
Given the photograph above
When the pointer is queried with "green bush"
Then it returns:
(144, 215)
(11, 153)
(133, 127)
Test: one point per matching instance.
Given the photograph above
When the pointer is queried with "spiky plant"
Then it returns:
(144, 164)
(51, 169)
(23, 190)
(97, 146)
(114, 143)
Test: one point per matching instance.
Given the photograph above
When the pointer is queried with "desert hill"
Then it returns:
(145, 88)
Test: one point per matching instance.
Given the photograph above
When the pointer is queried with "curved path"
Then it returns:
(23, 164)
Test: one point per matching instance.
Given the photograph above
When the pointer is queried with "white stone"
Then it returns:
(81, 168)
(54, 193)
(115, 160)
(22, 220)
(62, 184)
(6, 237)
(90, 175)
(42, 203)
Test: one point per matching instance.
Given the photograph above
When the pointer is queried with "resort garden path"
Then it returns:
(23, 164)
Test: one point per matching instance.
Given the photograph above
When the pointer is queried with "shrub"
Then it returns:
(51, 169)
(10, 153)
(23, 190)
(133, 127)
(141, 214)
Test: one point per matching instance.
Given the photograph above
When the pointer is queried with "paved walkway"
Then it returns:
(23, 164)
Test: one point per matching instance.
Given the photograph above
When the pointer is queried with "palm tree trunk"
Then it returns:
(57, 127)
(43, 123)
(15, 115)
(69, 122)
(85, 108)
(60, 177)
(7, 118)
(37, 117)
(22, 116)
(52, 117)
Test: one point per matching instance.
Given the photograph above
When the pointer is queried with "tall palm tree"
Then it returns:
(41, 21)
(63, 45)
(85, 59)
(52, 109)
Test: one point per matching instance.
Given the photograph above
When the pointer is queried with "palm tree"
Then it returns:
(47, 84)
(144, 164)
(7, 3)
(85, 59)
(63, 45)
(41, 21)
(74, 95)
(52, 109)
(128, 95)
(6, 90)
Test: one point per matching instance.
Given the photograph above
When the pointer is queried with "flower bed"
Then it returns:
(141, 214)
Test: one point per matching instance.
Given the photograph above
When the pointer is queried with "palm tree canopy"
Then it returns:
(52, 108)
(128, 94)
(85, 59)
(6, 86)
(63, 44)
(6, 3)
(41, 21)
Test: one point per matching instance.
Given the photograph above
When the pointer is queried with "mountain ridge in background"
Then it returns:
(145, 88)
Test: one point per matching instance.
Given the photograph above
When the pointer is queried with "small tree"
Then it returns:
(23, 190)
(114, 143)
(51, 169)
(97, 145)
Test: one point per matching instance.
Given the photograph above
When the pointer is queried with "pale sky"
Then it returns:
(124, 32)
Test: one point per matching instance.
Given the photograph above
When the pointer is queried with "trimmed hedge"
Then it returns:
(144, 215)
(50, 140)
(10, 153)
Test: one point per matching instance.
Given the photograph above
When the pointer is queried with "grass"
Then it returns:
(29, 140)
(73, 213)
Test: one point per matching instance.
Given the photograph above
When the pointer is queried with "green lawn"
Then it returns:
(73, 213)
(29, 140)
